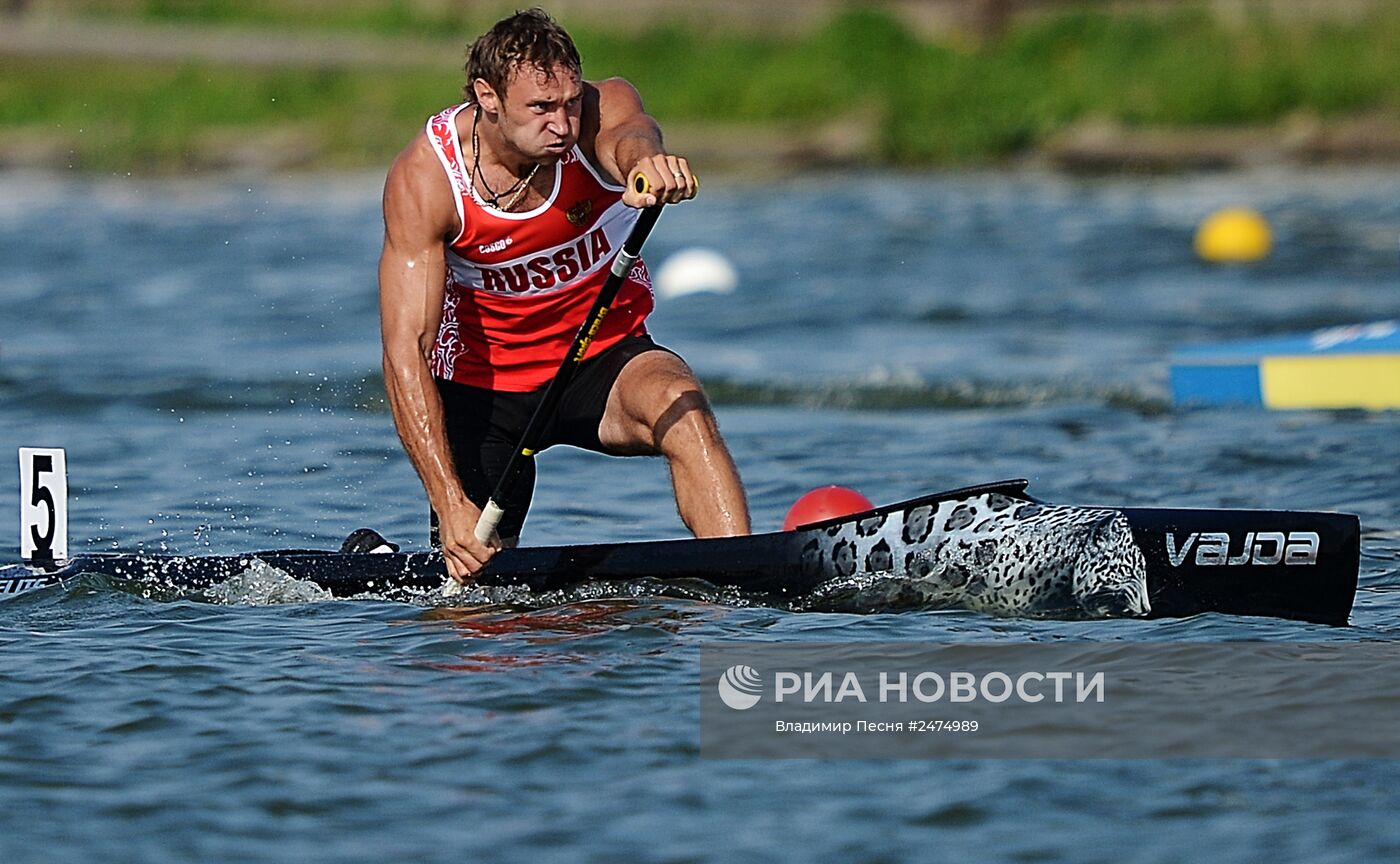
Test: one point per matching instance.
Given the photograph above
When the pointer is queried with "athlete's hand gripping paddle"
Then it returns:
(493, 512)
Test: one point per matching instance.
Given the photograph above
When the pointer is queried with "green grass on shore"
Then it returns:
(935, 104)
(125, 116)
(384, 17)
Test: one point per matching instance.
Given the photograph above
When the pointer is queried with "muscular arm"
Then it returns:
(418, 213)
(629, 142)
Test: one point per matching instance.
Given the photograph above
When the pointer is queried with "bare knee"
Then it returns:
(656, 407)
(687, 420)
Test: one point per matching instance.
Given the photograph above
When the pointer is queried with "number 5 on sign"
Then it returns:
(43, 504)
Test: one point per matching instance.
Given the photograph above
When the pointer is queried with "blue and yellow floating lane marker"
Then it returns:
(1339, 367)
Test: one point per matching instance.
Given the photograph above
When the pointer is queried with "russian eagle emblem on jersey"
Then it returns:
(579, 214)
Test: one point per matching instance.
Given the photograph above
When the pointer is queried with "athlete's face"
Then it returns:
(539, 114)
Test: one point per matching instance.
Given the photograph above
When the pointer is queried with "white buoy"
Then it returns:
(695, 271)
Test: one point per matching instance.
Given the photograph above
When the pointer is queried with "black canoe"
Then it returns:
(991, 547)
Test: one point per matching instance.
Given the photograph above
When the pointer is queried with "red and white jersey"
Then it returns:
(519, 285)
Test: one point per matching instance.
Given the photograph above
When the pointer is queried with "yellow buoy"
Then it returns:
(1236, 235)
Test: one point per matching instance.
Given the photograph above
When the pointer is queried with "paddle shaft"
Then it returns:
(492, 513)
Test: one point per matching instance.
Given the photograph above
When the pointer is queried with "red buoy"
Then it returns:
(825, 502)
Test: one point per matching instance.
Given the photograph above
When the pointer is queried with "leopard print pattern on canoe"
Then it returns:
(987, 553)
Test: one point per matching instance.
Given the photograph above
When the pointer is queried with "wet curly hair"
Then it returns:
(528, 38)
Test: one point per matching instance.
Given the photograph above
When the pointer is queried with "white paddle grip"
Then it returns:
(490, 518)
(485, 530)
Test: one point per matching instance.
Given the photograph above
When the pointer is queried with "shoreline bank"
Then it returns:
(757, 150)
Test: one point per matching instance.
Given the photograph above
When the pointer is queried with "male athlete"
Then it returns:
(500, 223)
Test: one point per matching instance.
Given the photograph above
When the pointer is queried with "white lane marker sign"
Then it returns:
(43, 504)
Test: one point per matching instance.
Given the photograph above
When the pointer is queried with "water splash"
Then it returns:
(264, 585)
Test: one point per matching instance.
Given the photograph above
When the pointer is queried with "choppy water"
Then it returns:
(207, 352)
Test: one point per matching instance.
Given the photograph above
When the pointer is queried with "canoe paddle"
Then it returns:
(492, 513)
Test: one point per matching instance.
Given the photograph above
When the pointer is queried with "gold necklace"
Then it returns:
(519, 187)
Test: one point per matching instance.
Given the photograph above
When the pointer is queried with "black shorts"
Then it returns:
(484, 428)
